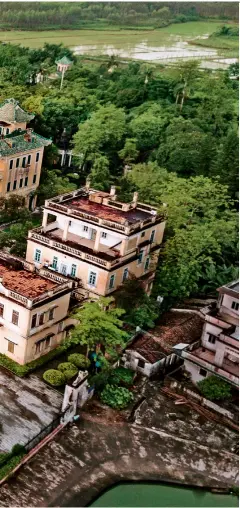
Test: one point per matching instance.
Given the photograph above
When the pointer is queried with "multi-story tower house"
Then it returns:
(90, 235)
(33, 309)
(21, 153)
(218, 352)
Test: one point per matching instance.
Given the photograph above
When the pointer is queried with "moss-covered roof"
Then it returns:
(64, 60)
(17, 144)
(10, 111)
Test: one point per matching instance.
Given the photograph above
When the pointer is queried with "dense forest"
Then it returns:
(49, 15)
(170, 134)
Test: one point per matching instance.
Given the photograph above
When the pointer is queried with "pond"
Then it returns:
(162, 495)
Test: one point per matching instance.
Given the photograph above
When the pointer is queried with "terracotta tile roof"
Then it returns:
(10, 111)
(106, 212)
(24, 282)
(174, 328)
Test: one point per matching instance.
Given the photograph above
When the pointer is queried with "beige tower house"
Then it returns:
(21, 153)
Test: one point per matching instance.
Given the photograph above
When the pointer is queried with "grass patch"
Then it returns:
(224, 43)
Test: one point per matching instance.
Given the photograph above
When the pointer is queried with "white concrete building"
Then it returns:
(218, 351)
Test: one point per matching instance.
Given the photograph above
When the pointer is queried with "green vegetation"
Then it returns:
(79, 360)
(116, 397)
(121, 377)
(42, 16)
(66, 366)
(214, 388)
(99, 324)
(8, 461)
(54, 377)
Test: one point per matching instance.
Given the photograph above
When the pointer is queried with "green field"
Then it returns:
(109, 37)
(134, 44)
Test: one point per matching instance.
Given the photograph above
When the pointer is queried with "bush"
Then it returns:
(100, 380)
(66, 366)
(54, 377)
(79, 360)
(69, 374)
(214, 388)
(122, 376)
(116, 397)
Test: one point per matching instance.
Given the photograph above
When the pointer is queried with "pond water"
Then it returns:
(160, 495)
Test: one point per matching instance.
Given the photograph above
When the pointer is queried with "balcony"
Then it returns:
(80, 247)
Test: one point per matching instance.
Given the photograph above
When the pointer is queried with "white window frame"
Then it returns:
(152, 236)
(35, 255)
(147, 262)
(85, 228)
(75, 269)
(123, 277)
(140, 260)
(37, 156)
(104, 234)
(89, 276)
(111, 284)
(55, 258)
(235, 306)
(60, 326)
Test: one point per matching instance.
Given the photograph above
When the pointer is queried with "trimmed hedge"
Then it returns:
(69, 374)
(79, 360)
(66, 366)
(54, 377)
(23, 370)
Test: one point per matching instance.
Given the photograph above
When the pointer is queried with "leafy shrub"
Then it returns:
(68, 374)
(54, 377)
(17, 449)
(79, 360)
(100, 380)
(66, 366)
(121, 376)
(11, 464)
(214, 388)
(116, 397)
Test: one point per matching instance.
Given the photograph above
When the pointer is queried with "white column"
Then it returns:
(123, 247)
(97, 240)
(219, 357)
(65, 231)
(70, 160)
(45, 218)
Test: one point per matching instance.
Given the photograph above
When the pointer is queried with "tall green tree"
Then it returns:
(99, 323)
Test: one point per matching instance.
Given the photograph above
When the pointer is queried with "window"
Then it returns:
(1, 309)
(47, 342)
(235, 305)
(51, 314)
(38, 346)
(73, 270)
(8, 186)
(34, 321)
(41, 319)
(202, 372)
(63, 269)
(143, 233)
(60, 326)
(111, 281)
(85, 228)
(34, 178)
(15, 317)
(14, 184)
(211, 338)
(37, 256)
(26, 181)
(147, 263)
(152, 236)
(92, 278)
(37, 156)
(24, 162)
(7, 130)
(140, 257)
(11, 346)
(55, 262)
(17, 163)
(11, 164)
(29, 159)
(125, 274)
(104, 235)
(141, 364)
(20, 183)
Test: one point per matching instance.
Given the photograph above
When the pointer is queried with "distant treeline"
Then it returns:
(48, 15)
